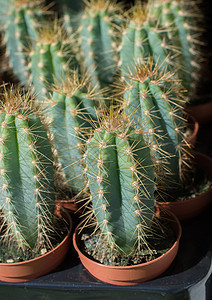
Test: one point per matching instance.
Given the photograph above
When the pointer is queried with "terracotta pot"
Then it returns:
(31, 269)
(202, 112)
(131, 275)
(192, 207)
(193, 125)
(69, 204)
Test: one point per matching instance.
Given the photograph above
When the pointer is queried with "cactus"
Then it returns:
(183, 18)
(154, 102)
(143, 38)
(72, 113)
(121, 182)
(27, 175)
(97, 39)
(20, 20)
(51, 58)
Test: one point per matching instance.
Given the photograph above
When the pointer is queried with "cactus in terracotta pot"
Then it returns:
(27, 175)
(120, 176)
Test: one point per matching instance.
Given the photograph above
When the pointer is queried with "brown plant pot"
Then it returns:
(131, 275)
(202, 112)
(192, 207)
(33, 268)
(193, 125)
(69, 204)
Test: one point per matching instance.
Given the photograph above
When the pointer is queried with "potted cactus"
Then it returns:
(120, 222)
(34, 240)
(154, 101)
(187, 23)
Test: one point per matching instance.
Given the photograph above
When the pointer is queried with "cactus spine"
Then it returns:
(121, 182)
(26, 167)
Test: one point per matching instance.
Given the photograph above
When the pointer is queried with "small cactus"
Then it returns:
(154, 102)
(121, 182)
(72, 113)
(142, 38)
(27, 175)
(184, 20)
(20, 20)
(51, 58)
(98, 40)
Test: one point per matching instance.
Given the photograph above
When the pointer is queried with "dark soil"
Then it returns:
(161, 239)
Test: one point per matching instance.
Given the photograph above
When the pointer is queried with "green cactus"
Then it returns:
(27, 175)
(51, 58)
(154, 102)
(20, 20)
(72, 113)
(121, 182)
(98, 40)
(183, 18)
(142, 38)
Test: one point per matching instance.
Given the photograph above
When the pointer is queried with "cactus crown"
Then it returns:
(101, 5)
(19, 4)
(138, 13)
(52, 32)
(16, 101)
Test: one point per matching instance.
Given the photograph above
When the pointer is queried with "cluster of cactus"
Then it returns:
(27, 175)
(120, 157)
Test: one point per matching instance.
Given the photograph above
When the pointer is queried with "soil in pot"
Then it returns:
(13, 254)
(29, 265)
(139, 272)
(195, 195)
(161, 238)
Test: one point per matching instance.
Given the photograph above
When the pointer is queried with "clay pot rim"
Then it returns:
(187, 200)
(190, 207)
(177, 240)
(195, 128)
(68, 217)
